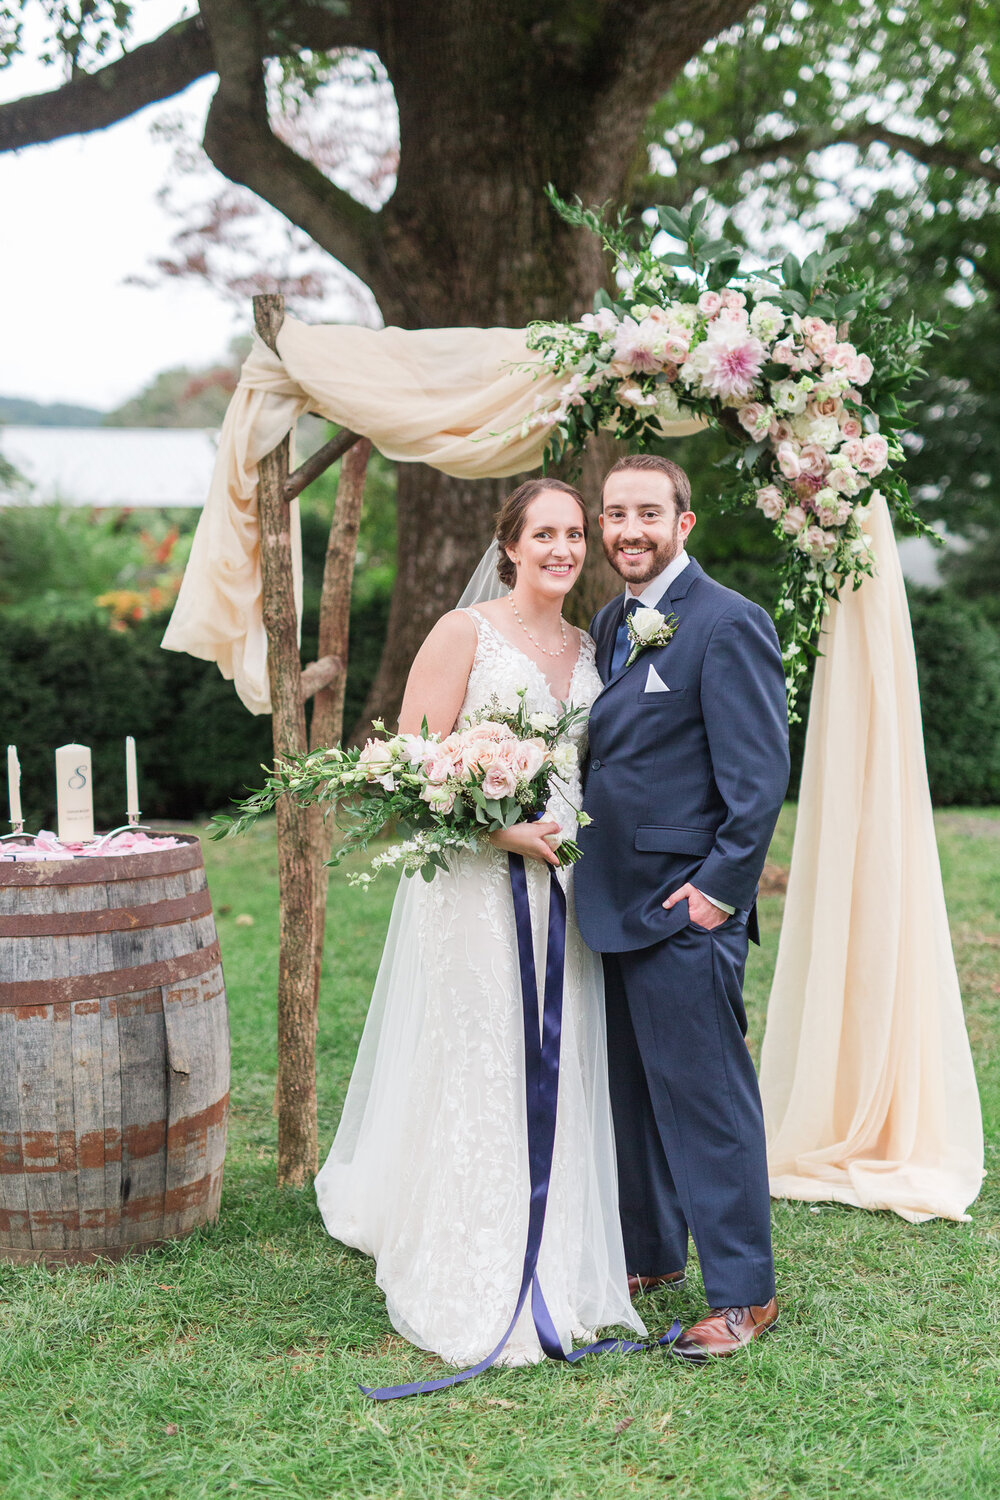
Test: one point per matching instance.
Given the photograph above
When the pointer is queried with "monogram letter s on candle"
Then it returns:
(74, 794)
(14, 787)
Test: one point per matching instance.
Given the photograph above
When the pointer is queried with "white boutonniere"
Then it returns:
(647, 628)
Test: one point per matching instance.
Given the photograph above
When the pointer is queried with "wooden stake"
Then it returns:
(296, 1096)
(303, 838)
(327, 726)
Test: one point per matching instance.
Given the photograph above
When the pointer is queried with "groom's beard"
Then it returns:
(653, 562)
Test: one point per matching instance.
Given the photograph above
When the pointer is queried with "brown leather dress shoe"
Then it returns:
(639, 1284)
(726, 1330)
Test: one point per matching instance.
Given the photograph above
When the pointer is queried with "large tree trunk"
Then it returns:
(494, 103)
(472, 241)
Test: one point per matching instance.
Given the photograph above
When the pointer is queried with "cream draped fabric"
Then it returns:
(869, 1092)
(450, 397)
(866, 1073)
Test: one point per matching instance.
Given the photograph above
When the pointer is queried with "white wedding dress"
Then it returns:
(429, 1171)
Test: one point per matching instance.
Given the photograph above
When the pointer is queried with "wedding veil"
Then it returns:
(484, 583)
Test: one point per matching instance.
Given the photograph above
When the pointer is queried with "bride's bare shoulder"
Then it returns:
(455, 631)
(494, 610)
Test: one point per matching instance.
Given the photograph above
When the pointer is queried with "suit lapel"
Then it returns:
(606, 644)
(684, 581)
(674, 594)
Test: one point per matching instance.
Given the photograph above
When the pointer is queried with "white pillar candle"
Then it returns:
(14, 784)
(74, 794)
(131, 780)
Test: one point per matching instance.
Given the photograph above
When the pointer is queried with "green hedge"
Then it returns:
(958, 662)
(197, 745)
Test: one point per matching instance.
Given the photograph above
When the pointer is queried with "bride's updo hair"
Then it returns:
(510, 520)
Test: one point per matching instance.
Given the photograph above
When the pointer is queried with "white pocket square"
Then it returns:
(654, 682)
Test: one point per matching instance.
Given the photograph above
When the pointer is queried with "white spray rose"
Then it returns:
(766, 321)
(788, 396)
(564, 759)
(542, 722)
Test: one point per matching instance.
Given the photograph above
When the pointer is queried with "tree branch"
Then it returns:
(801, 142)
(239, 141)
(642, 48)
(91, 101)
(162, 68)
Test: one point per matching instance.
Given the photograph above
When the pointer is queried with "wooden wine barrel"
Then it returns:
(114, 1054)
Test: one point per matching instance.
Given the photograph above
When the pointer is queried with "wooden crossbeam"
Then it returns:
(318, 463)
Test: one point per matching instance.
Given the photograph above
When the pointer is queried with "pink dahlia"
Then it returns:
(635, 346)
(728, 362)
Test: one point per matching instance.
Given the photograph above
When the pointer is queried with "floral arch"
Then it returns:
(866, 1073)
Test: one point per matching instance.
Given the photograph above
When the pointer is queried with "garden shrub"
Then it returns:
(958, 663)
(197, 746)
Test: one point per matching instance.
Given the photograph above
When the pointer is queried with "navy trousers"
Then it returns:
(688, 1121)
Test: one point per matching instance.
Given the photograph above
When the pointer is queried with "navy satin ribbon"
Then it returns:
(541, 1070)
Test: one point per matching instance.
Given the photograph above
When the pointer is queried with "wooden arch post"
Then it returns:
(304, 839)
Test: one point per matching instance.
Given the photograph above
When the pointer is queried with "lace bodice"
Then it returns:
(500, 670)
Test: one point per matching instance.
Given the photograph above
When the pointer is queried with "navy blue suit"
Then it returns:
(685, 785)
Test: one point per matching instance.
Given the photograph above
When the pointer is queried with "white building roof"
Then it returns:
(109, 466)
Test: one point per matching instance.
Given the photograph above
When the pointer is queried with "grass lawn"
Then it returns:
(227, 1364)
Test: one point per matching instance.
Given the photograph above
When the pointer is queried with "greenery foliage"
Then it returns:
(958, 661)
(228, 1363)
(63, 564)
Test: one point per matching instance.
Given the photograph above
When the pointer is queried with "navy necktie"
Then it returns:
(623, 641)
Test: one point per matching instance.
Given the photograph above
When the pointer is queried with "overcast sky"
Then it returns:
(78, 217)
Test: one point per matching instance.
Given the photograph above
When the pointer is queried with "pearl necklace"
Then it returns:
(536, 643)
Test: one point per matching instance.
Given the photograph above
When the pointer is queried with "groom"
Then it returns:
(686, 771)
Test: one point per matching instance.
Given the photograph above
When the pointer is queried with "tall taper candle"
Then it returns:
(14, 784)
(74, 795)
(131, 781)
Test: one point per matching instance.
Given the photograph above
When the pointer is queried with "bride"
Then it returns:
(429, 1169)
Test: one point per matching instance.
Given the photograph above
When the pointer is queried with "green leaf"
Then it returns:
(791, 272)
(671, 221)
(601, 300)
(810, 271)
(722, 272)
(847, 304)
(822, 307)
(714, 248)
(675, 258)
(696, 213)
(794, 300)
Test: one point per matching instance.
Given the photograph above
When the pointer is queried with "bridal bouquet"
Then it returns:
(497, 770)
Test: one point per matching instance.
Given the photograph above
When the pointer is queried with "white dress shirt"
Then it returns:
(649, 597)
(653, 591)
